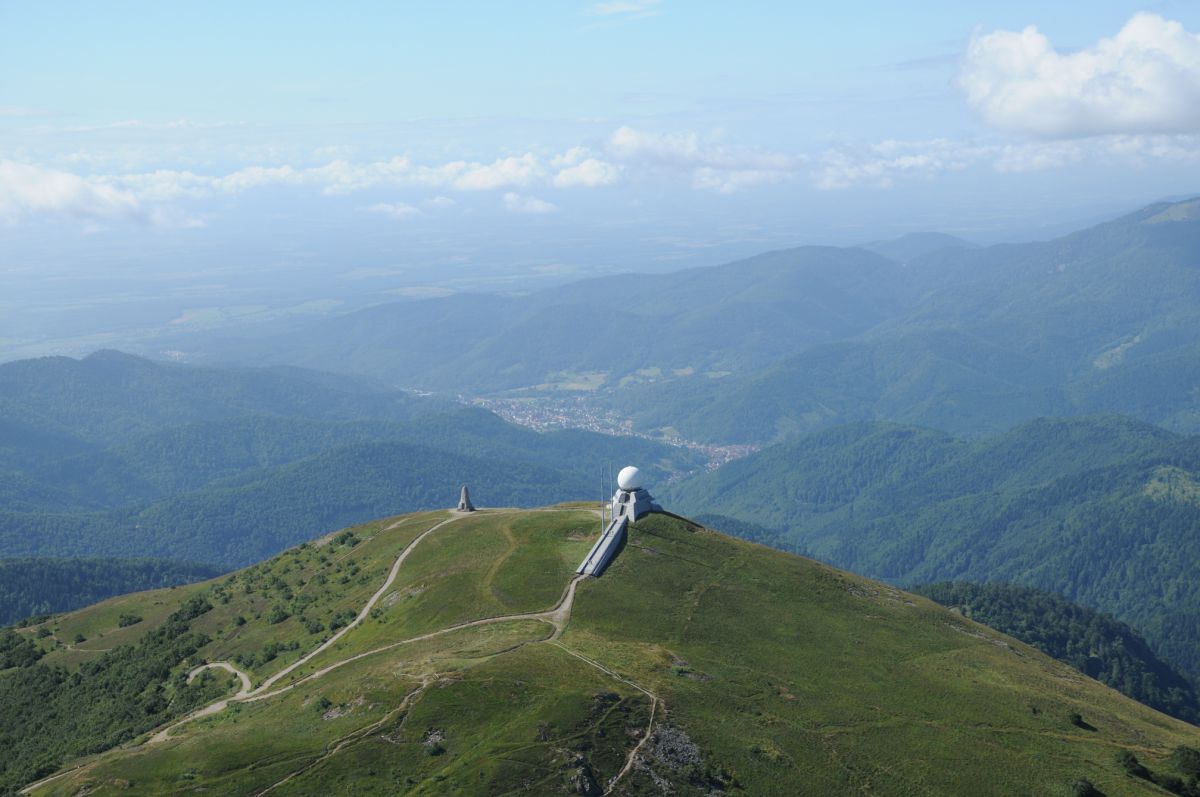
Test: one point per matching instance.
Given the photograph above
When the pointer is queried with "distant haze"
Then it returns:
(164, 165)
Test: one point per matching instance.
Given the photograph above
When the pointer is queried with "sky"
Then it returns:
(395, 148)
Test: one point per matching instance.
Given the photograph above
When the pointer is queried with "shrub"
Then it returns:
(1186, 760)
(127, 620)
(1131, 765)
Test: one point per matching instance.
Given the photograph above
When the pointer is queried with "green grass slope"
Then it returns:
(1090, 641)
(1102, 510)
(698, 664)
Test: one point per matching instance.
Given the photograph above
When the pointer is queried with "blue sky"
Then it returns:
(575, 136)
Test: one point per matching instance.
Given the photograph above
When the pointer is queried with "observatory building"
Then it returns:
(629, 502)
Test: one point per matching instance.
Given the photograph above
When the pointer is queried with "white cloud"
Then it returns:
(677, 148)
(589, 173)
(500, 174)
(438, 203)
(515, 203)
(709, 166)
(1146, 79)
(344, 177)
(256, 177)
(1039, 156)
(571, 157)
(395, 210)
(882, 163)
(1184, 148)
(27, 190)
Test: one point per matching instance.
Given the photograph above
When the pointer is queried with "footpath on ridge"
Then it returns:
(557, 617)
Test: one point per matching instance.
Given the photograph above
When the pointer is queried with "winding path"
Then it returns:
(263, 690)
(557, 617)
(224, 665)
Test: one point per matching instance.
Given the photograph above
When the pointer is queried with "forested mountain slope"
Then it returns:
(115, 455)
(30, 587)
(1103, 320)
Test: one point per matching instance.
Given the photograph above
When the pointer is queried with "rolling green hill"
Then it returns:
(469, 660)
(1101, 510)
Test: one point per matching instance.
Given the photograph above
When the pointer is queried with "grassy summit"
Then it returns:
(697, 664)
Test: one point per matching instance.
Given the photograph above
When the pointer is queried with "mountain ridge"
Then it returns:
(966, 339)
(495, 669)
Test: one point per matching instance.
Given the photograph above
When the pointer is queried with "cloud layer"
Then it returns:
(628, 157)
(1146, 79)
(708, 165)
(27, 190)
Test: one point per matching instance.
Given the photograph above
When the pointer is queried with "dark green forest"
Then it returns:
(229, 473)
(1092, 642)
(32, 587)
(127, 691)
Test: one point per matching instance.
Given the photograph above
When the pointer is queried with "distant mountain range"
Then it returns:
(114, 455)
(916, 244)
(926, 329)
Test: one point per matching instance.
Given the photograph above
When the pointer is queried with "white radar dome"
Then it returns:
(629, 478)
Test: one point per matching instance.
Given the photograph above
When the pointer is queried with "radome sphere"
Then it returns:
(630, 478)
